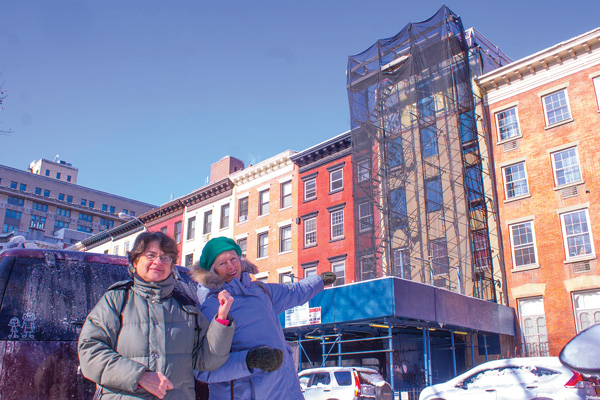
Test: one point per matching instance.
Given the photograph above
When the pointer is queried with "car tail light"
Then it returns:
(356, 384)
(576, 381)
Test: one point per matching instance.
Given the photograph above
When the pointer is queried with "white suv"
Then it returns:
(344, 383)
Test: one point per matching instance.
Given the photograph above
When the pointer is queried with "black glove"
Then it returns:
(264, 358)
(328, 277)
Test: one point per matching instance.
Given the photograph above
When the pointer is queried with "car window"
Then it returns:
(322, 378)
(371, 378)
(42, 301)
(343, 378)
(544, 372)
(502, 376)
(304, 379)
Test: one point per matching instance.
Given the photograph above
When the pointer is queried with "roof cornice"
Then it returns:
(263, 168)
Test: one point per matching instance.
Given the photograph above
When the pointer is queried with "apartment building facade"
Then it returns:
(264, 216)
(326, 210)
(544, 115)
(44, 202)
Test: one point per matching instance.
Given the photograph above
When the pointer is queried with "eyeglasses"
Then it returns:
(165, 259)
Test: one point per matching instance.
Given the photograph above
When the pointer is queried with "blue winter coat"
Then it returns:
(255, 311)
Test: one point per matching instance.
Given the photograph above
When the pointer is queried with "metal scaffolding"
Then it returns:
(423, 197)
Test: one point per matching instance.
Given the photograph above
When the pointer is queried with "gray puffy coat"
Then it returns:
(157, 334)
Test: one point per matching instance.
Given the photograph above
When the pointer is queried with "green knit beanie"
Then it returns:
(214, 247)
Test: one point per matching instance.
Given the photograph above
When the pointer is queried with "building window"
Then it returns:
(336, 180)
(106, 223)
(58, 175)
(395, 153)
(83, 202)
(566, 166)
(263, 244)
(285, 238)
(112, 209)
(177, 233)
(243, 210)
(22, 187)
(533, 327)
(311, 271)
(515, 181)
(189, 260)
(243, 243)
(368, 267)
(310, 189)
(286, 194)
(401, 263)
(47, 172)
(6, 228)
(46, 193)
(481, 250)
(85, 229)
(69, 199)
(39, 206)
(126, 248)
(587, 308)
(508, 124)
(12, 221)
(339, 269)
(59, 225)
(125, 211)
(310, 232)
(522, 240)
(363, 170)
(68, 178)
(105, 207)
(61, 196)
(207, 227)
(440, 262)
(91, 205)
(224, 223)
(15, 201)
(85, 217)
(263, 202)
(63, 211)
(434, 194)
(163, 230)
(597, 87)
(13, 184)
(132, 213)
(429, 141)
(286, 277)
(556, 107)
(38, 191)
(191, 228)
(365, 216)
(337, 224)
(577, 234)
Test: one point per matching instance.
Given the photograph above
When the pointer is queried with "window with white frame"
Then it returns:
(191, 228)
(312, 271)
(515, 180)
(310, 232)
(566, 166)
(597, 87)
(577, 234)
(363, 170)
(368, 267)
(263, 244)
(263, 202)
(336, 180)
(310, 189)
(285, 238)
(508, 124)
(189, 260)
(243, 243)
(337, 224)
(243, 209)
(286, 194)
(587, 308)
(522, 241)
(556, 107)
(207, 227)
(365, 216)
(533, 326)
(339, 268)
(286, 277)
(401, 263)
(224, 216)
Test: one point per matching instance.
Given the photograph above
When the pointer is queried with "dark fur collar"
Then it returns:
(211, 280)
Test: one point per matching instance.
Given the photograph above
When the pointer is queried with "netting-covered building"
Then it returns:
(423, 194)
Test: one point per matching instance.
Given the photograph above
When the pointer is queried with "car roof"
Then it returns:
(336, 369)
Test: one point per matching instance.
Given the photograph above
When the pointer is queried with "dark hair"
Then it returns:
(166, 244)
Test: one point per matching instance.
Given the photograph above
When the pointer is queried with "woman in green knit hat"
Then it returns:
(255, 309)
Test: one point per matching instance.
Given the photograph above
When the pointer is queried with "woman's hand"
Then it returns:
(155, 383)
(225, 301)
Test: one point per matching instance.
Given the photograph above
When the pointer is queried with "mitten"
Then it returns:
(328, 277)
(264, 358)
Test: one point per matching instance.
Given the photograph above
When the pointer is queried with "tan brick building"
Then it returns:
(545, 124)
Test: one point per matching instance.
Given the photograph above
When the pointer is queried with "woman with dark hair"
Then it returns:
(144, 338)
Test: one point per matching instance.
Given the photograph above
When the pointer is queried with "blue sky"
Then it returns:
(143, 95)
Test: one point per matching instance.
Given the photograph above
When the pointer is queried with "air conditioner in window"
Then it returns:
(243, 218)
(206, 238)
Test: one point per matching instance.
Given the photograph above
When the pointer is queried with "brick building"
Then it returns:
(264, 216)
(326, 210)
(544, 118)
